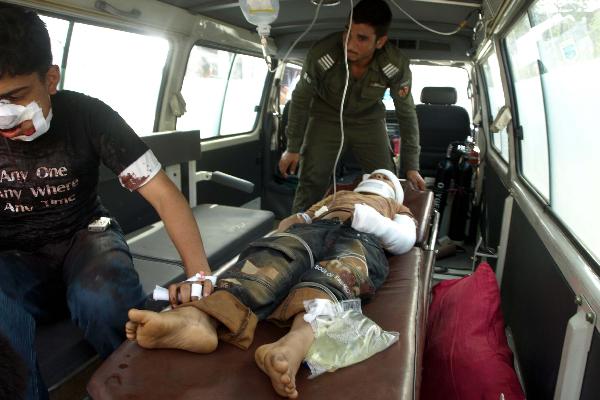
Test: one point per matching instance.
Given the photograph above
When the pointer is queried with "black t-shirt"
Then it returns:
(48, 186)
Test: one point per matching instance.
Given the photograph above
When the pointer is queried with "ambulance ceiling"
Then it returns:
(296, 15)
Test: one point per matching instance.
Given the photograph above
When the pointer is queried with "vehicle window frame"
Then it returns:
(586, 253)
(488, 104)
(72, 20)
(264, 94)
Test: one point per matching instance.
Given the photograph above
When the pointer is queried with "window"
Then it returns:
(222, 91)
(58, 30)
(126, 74)
(291, 76)
(526, 71)
(495, 96)
(563, 44)
(429, 75)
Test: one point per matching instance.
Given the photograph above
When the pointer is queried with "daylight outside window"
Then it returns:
(495, 96)
(526, 70)
(126, 74)
(568, 47)
(222, 91)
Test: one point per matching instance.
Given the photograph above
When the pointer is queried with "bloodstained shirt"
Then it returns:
(48, 187)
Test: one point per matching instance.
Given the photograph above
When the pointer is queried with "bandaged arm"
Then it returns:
(397, 236)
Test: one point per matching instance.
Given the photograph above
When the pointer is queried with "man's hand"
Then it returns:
(181, 293)
(289, 162)
(416, 179)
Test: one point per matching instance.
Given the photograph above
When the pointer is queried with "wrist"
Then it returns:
(304, 217)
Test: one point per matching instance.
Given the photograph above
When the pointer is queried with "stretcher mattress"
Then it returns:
(230, 373)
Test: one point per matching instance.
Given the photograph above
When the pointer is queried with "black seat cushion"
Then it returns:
(440, 123)
(225, 231)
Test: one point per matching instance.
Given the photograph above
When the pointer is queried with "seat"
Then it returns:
(440, 123)
(230, 373)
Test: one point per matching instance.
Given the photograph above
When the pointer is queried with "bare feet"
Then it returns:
(281, 360)
(185, 328)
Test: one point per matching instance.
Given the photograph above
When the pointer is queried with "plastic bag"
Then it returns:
(343, 335)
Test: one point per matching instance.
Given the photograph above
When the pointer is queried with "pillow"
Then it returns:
(466, 351)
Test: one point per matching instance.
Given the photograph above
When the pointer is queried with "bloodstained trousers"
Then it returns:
(275, 275)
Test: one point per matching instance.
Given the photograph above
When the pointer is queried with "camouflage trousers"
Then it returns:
(275, 275)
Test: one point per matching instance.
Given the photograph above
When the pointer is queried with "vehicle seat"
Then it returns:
(440, 123)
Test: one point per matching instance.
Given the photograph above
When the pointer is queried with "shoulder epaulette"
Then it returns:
(326, 62)
(390, 70)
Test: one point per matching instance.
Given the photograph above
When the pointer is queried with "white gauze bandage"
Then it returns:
(397, 236)
(160, 293)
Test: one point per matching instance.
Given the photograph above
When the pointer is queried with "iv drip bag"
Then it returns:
(260, 13)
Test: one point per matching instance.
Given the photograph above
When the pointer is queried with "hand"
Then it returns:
(181, 293)
(289, 162)
(415, 178)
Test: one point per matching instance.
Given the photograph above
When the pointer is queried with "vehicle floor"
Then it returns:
(453, 261)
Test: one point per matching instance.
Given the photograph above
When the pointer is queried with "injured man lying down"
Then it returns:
(310, 275)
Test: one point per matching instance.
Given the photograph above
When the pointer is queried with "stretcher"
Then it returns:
(132, 372)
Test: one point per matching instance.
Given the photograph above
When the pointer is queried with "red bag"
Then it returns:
(466, 352)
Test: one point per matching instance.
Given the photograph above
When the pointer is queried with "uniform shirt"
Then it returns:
(319, 93)
(48, 186)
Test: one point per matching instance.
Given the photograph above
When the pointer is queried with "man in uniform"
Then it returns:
(314, 133)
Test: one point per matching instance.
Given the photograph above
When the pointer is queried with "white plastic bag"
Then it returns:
(343, 335)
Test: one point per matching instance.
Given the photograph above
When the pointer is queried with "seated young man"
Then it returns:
(334, 250)
(51, 146)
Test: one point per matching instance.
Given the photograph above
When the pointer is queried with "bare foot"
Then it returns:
(184, 328)
(281, 360)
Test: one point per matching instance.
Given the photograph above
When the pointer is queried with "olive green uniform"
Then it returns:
(314, 121)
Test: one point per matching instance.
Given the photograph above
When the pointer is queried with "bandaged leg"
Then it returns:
(342, 335)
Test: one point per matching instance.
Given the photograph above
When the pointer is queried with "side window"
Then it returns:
(495, 95)
(291, 76)
(526, 71)
(126, 74)
(58, 29)
(222, 91)
(561, 67)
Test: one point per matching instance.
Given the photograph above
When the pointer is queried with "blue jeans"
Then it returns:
(91, 276)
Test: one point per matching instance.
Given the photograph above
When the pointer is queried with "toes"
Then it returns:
(131, 330)
(139, 316)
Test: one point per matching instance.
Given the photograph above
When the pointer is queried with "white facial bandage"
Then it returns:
(395, 181)
(397, 236)
(376, 186)
(11, 115)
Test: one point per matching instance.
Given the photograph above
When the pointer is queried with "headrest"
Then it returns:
(438, 95)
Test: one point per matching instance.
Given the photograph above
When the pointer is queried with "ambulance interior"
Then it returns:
(502, 90)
